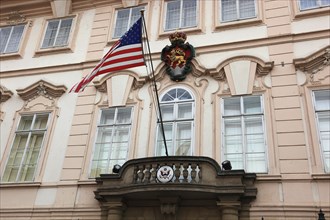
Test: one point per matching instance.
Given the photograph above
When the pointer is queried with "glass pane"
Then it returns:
(64, 32)
(172, 15)
(256, 163)
(322, 100)
(306, 4)
(25, 123)
(246, 9)
(233, 135)
(136, 14)
(236, 160)
(254, 134)
(326, 158)
(15, 39)
(252, 104)
(183, 94)
(119, 151)
(324, 128)
(189, 13)
(121, 134)
(168, 128)
(124, 115)
(325, 2)
(121, 22)
(228, 10)
(4, 37)
(183, 139)
(104, 134)
(40, 122)
(108, 117)
(50, 35)
(232, 106)
(185, 111)
(167, 112)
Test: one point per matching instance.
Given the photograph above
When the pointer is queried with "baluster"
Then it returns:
(199, 173)
(153, 173)
(135, 176)
(193, 173)
(141, 174)
(177, 172)
(147, 174)
(185, 172)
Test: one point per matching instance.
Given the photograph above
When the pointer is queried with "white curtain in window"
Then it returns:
(10, 38)
(172, 15)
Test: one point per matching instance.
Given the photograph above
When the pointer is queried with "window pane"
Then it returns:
(256, 163)
(183, 94)
(121, 22)
(64, 32)
(246, 9)
(40, 122)
(306, 4)
(185, 110)
(236, 160)
(189, 13)
(327, 161)
(322, 100)
(104, 134)
(183, 139)
(50, 35)
(108, 117)
(232, 106)
(15, 39)
(4, 37)
(121, 134)
(233, 135)
(167, 112)
(124, 115)
(325, 2)
(136, 14)
(168, 130)
(228, 10)
(172, 15)
(25, 123)
(254, 134)
(324, 128)
(252, 104)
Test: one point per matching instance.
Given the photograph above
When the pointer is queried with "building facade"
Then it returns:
(257, 94)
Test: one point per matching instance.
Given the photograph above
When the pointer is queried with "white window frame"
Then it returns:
(180, 16)
(26, 147)
(66, 44)
(242, 116)
(114, 125)
(317, 115)
(175, 121)
(318, 5)
(237, 12)
(10, 38)
(129, 21)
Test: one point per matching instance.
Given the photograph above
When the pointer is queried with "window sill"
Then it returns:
(8, 56)
(266, 177)
(193, 30)
(321, 176)
(312, 13)
(49, 51)
(23, 184)
(238, 24)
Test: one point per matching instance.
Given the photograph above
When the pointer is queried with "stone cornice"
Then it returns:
(314, 62)
(5, 94)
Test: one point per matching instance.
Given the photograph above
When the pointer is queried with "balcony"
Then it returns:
(174, 184)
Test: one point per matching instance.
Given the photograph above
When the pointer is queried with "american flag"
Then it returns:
(125, 53)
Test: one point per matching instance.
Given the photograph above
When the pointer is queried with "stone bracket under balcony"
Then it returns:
(195, 182)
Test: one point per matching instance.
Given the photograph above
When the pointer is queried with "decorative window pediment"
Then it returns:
(5, 94)
(314, 64)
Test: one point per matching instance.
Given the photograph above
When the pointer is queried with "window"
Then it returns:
(322, 111)
(177, 108)
(57, 33)
(10, 38)
(112, 140)
(232, 10)
(181, 14)
(243, 134)
(25, 151)
(310, 4)
(125, 19)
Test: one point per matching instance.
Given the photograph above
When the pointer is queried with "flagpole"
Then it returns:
(154, 82)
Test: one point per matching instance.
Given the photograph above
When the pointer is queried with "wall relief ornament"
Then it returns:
(178, 56)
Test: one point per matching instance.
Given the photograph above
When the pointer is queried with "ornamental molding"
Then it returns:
(263, 68)
(315, 62)
(5, 94)
(41, 88)
(15, 17)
